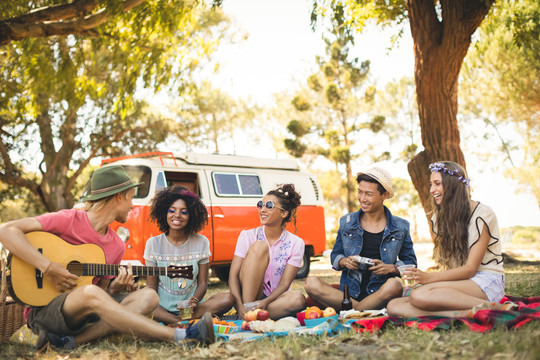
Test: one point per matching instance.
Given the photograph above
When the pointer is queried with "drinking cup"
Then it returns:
(185, 311)
(406, 278)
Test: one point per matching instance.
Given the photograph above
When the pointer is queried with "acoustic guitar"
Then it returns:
(27, 285)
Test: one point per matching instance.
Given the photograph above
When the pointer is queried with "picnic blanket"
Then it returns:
(329, 327)
(484, 320)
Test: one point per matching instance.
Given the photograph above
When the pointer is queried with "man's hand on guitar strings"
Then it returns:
(60, 277)
(124, 281)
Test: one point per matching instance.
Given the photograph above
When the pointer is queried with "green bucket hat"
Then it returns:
(108, 181)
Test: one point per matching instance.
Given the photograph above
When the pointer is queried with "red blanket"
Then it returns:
(484, 320)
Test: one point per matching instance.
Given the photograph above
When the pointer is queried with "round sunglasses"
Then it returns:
(269, 205)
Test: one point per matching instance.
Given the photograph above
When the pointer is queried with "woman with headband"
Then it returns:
(467, 248)
(180, 215)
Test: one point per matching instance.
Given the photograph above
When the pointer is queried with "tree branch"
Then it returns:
(15, 30)
(57, 12)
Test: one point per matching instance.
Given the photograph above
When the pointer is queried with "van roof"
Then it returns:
(210, 159)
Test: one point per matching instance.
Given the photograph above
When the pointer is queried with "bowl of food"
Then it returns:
(224, 327)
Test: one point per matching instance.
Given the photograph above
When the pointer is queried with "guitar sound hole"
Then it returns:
(75, 268)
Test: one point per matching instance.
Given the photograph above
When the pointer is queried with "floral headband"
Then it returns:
(440, 167)
(188, 193)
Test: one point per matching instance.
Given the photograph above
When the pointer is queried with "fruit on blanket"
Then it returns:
(312, 315)
(262, 314)
(313, 312)
(251, 315)
(245, 326)
(329, 311)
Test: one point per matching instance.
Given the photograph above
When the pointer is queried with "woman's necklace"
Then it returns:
(181, 282)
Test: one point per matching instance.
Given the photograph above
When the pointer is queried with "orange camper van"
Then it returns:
(229, 186)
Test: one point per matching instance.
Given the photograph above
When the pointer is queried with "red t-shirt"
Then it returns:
(74, 227)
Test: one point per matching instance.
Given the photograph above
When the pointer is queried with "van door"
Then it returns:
(195, 182)
(233, 198)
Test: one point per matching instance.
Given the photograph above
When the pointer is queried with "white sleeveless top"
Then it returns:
(483, 216)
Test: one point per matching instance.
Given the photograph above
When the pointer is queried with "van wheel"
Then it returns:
(304, 269)
(222, 272)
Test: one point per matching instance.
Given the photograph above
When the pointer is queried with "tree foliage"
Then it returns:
(333, 109)
(207, 117)
(441, 32)
(501, 83)
(397, 103)
(68, 99)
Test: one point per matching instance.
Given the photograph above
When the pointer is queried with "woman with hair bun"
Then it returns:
(267, 259)
(467, 248)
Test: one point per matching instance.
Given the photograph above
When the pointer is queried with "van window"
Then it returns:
(228, 184)
(160, 182)
(140, 174)
(188, 180)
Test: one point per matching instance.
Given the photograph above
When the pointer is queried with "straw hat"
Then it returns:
(382, 176)
(107, 181)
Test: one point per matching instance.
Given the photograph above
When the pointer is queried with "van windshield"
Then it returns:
(140, 174)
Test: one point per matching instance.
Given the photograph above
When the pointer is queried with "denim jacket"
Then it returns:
(396, 243)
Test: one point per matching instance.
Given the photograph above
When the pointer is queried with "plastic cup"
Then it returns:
(406, 278)
(185, 311)
(251, 305)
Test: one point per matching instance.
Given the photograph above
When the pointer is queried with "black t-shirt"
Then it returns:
(370, 249)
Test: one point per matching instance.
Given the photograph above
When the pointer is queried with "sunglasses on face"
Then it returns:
(269, 205)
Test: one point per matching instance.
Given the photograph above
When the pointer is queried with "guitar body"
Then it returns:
(26, 283)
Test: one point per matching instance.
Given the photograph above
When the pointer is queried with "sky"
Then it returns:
(280, 51)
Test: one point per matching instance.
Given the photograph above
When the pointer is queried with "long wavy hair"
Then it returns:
(451, 242)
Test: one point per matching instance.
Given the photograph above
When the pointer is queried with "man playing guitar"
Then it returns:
(109, 305)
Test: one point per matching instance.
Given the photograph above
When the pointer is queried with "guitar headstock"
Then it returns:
(177, 271)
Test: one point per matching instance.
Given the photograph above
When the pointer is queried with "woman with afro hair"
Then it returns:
(180, 215)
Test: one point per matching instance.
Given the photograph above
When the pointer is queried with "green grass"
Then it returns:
(393, 343)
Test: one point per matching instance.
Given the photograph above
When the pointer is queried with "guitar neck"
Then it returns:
(112, 270)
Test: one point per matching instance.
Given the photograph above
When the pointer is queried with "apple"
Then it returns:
(245, 326)
(329, 311)
(262, 315)
(312, 315)
(250, 315)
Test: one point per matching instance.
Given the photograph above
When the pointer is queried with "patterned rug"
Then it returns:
(483, 320)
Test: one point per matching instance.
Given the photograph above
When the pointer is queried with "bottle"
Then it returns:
(346, 304)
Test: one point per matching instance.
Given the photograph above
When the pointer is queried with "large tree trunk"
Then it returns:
(440, 45)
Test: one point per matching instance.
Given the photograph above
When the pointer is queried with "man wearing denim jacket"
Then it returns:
(374, 233)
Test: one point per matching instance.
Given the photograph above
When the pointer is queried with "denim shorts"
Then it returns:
(491, 284)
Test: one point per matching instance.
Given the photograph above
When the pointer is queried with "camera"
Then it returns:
(363, 262)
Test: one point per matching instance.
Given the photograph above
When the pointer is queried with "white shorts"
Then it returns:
(491, 284)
